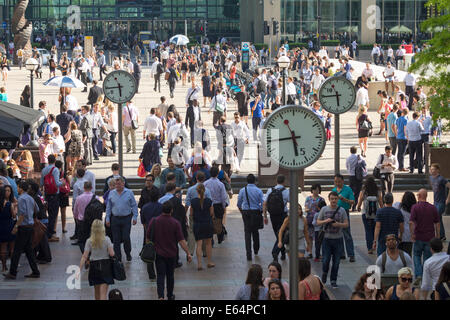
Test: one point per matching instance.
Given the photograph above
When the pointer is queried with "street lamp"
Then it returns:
(283, 63)
(31, 64)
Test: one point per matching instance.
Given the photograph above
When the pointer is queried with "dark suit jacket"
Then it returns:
(63, 121)
(86, 126)
(190, 116)
(94, 93)
(137, 70)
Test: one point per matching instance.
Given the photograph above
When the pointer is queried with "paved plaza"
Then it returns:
(221, 282)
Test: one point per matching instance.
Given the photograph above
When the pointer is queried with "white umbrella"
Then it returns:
(64, 82)
(179, 40)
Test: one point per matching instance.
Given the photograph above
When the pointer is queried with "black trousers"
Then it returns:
(53, 209)
(251, 232)
(415, 155)
(138, 80)
(218, 213)
(42, 250)
(356, 186)
(158, 82)
(121, 228)
(23, 244)
(102, 71)
(95, 142)
(277, 221)
(165, 269)
(409, 91)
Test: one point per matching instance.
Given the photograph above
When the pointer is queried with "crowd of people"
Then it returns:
(73, 139)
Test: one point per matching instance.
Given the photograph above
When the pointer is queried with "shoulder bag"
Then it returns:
(118, 270)
(134, 123)
(322, 231)
(376, 170)
(148, 252)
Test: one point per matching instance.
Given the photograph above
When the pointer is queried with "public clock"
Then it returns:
(119, 86)
(337, 95)
(294, 137)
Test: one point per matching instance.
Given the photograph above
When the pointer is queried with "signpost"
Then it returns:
(245, 62)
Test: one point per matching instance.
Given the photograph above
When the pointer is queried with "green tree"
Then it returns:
(433, 63)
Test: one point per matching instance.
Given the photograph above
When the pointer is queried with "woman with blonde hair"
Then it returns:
(363, 125)
(100, 248)
(405, 278)
(112, 124)
(26, 164)
(202, 212)
(156, 172)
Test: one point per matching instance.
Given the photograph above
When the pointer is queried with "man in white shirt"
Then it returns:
(368, 72)
(193, 93)
(51, 124)
(175, 131)
(362, 96)
(164, 57)
(350, 164)
(388, 74)
(399, 55)
(72, 105)
(387, 163)
(398, 92)
(84, 69)
(390, 55)
(413, 131)
(59, 147)
(410, 82)
(317, 80)
(375, 53)
(129, 114)
(241, 136)
(219, 105)
(432, 267)
(153, 124)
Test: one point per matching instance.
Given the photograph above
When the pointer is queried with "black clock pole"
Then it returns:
(337, 142)
(293, 234)
(119, 115)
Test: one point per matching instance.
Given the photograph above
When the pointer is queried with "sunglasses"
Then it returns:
(148, 180)
(406, 279)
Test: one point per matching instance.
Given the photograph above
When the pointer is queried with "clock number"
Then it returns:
(330, 90)
(302, 151)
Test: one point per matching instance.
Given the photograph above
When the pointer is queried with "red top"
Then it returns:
(424, 215)
(166, 235)
(309, 295)
(232, 72)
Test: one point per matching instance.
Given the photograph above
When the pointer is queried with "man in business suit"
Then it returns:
(193, 114)
(102, 64)
(63, 120)
(137, 73)
(86, 129)
(94, 93)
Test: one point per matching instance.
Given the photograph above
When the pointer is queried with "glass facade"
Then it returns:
(164, 17)
(341, 20)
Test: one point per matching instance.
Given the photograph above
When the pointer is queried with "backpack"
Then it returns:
(371, 207)
(159, 68)
(50, 183)
(384, 258)
(261, 86)
(360, 170)
(94, 210)
(377, 171)
(275, 202)
(274, 84)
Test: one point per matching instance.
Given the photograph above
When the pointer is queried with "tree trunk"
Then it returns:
(22, 29)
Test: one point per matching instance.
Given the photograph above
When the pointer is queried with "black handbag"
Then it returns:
(257, 220)
(286, 237)
(148, 252)
(118, 270)
(323, 292)
(134, 123)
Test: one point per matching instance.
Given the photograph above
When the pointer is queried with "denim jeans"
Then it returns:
(441, 209)
(420, 247)
(369, 227)
(165, 269)
(332, 249)
(381, 245)
(348, 239)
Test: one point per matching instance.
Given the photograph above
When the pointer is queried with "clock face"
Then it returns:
(294, 137)
(119, 86)
(337, 95)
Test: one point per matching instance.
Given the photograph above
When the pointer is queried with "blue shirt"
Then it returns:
(55, 173)
(217, 191)
(347, 193)
(390, 219)
(255, 196)
(401, 124)
(257, 112)
(179, 176)
(192, 194)
(26, 207)
(391, 119)
(165, 198)
(427, 122)
(121, 205)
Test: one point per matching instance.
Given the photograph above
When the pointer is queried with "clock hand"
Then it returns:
(333, 95)
(119, 86)
(337, 98)
(289, 138)
(111, 87)
(295, 144)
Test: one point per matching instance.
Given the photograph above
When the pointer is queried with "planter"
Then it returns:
(441, 156)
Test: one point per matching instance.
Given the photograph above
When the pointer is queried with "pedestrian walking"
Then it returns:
(439, 185)
(387, 163)
(413, 131)
(400, 134)
(353, 162)
(432, 267)
(130, 116)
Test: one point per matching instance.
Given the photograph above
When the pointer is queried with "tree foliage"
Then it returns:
(433, 63)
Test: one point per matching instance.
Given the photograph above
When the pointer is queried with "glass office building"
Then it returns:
(164, 17)
(392, 20)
